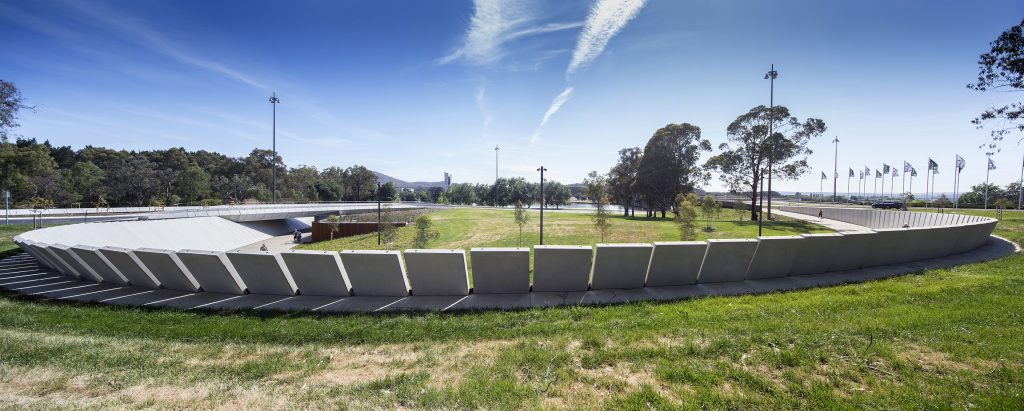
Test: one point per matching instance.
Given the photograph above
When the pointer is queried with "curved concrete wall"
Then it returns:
(890, 237)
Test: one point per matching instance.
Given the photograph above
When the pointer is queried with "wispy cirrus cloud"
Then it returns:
(605, 20)
(556, 105)
(130, 27)
(496, 23)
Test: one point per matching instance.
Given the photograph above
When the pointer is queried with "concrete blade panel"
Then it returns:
(854, 251)
(816, 253)
(500, 270)
(375, 272)
(213, 271)
(437, 272)
(98, 264)
(774, 257)
(620, 266)
(129, 266)
(726, 260)
(317, 272)
(675, 263)
(561, 267)
(76, 264)
(263, 272)
(168, 269)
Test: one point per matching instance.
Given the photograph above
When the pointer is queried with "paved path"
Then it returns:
(834, 225)
(279, 243)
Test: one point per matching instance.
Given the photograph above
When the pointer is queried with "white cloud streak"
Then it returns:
(132, 28)
(481, 103)
(605, 20)
(495, 23)
(556, 105)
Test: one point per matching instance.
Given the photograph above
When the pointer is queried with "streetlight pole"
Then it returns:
(771, 75)
(496, 163)
(378, 213)
(760, 206)
(273, 161)
(542, 170)
(835, 170)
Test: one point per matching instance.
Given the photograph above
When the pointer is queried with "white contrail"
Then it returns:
(605, 20)
(496, 22)
(556, 104)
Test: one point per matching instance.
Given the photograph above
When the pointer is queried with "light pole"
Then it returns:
(1020, 196)
(273, 161)
(378, 213)
(496, 163)
(542, 170)
(760, 206)
(835, 170)
(771, 76)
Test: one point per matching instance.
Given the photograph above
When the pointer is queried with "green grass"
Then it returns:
(466, 228)
(941, 339)
(7, 232)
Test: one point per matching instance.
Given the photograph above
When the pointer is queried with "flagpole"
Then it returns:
(1020, 197)
(883, 182)
(875, 194)
(956, 186)
(927, 189)
(904, 187)
(848, 177)
(988, 169)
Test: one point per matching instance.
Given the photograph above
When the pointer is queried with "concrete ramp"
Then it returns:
(167, 268)
(561, 268)
(774, 257)
(437, 272)
(213, 271)
(317, 272)
(375, 273)
(726, 260)
(129, 266)
(620, 266)
(500, 270)
(99, 264)
(263, 272)
(675, 263)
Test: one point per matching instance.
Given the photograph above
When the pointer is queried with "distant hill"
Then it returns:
(384, 178)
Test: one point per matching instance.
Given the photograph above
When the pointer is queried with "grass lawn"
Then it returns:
(7, 232)
(941, 339)
(467, 228)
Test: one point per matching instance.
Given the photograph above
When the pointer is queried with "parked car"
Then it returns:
(888, 205)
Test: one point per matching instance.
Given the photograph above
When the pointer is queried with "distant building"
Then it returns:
(447, 181)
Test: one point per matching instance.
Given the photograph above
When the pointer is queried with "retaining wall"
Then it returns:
(889, 237)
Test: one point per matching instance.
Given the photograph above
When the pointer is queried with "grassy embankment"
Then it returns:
(948, 339)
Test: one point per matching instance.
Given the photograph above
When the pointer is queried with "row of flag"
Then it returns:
(907, 168)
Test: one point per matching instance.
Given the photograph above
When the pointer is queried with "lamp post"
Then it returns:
(378, 213)
(542, 170)
(771, 76)
(273, 161)
(496, 163)
(760, 206)
(835, 170)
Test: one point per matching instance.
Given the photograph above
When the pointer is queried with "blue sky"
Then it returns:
(416, 88)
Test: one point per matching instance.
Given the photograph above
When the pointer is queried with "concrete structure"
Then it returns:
(774, 257)
(676, 263)
(500, 270)
(375, 272)
(726, 260)
(561, 268)
(816, 253)
(129, 266)
(167, 268)
(620, 266)
(853, 252)
(437, 272)
(213, 271)
(98, 264)
(263, 272)
(869, 244)
(75, 264)
(317, 272)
